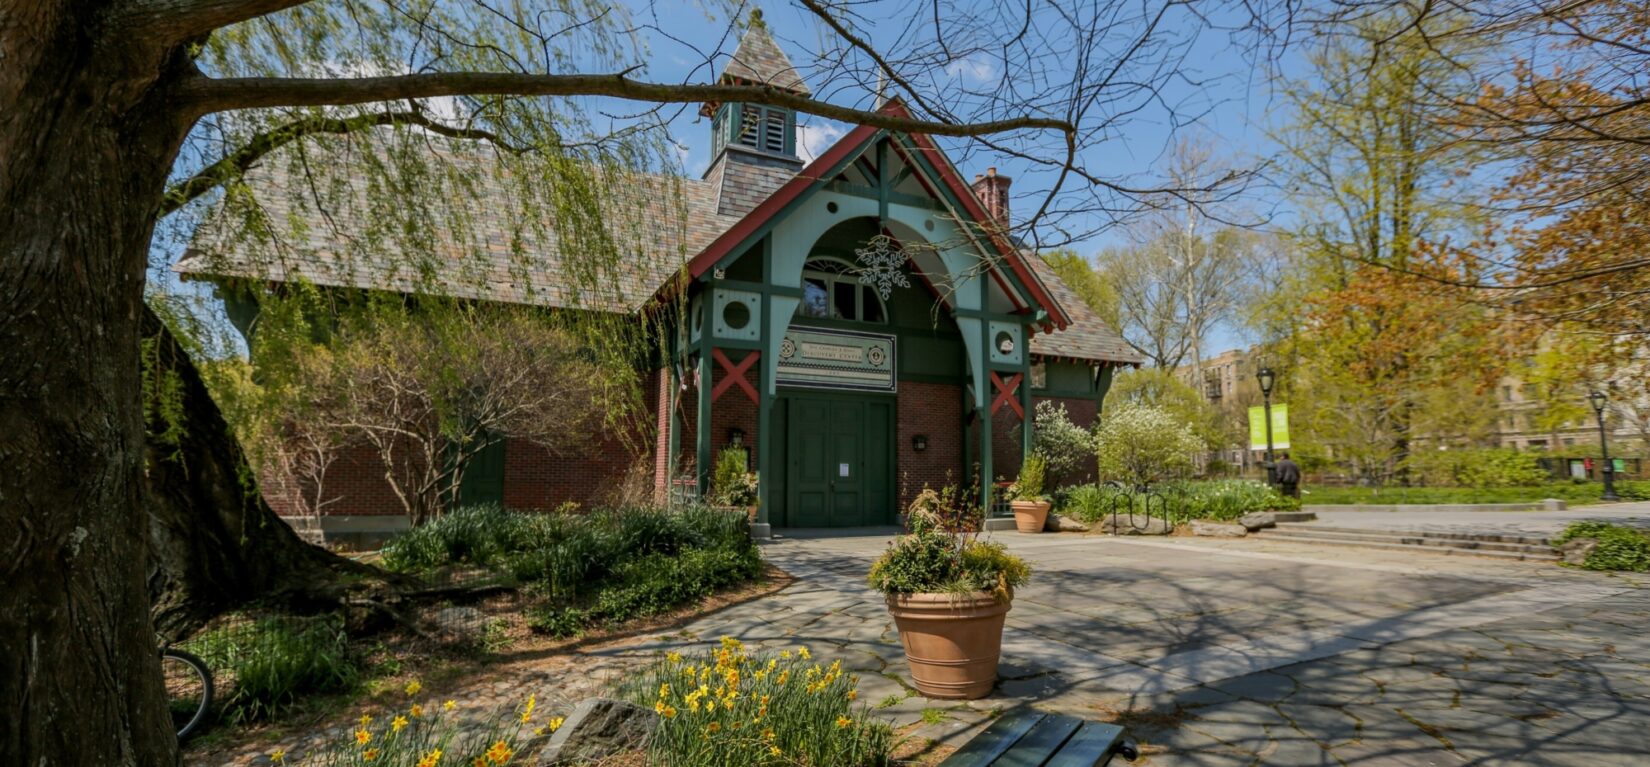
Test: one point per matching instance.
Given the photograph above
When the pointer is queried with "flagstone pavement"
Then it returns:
(1211, 652)
(1259, 653)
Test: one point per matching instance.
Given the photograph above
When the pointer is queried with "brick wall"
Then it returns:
(733, 410)
(934, 410)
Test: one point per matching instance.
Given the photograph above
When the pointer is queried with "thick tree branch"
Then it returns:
(239, 161)
(175, 21)
(214, 95)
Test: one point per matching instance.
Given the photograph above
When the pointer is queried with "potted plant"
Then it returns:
(732, 486)
(1026, 496)
(949, 593)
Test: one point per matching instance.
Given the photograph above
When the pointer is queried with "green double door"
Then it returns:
(841, 463)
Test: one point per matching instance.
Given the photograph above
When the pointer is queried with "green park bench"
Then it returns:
(1036, 739)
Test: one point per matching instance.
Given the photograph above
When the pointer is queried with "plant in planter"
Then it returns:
(732, 486)
(949, 593)
(1026, 496)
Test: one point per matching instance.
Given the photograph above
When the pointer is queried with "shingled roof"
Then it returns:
(345, 241)
(1087, 337)
(759, 60)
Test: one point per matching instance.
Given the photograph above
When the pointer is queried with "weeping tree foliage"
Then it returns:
(414, 136)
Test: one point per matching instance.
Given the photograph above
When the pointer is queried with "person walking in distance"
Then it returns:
(1289, 477)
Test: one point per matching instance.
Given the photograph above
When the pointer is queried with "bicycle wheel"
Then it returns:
(188, 690)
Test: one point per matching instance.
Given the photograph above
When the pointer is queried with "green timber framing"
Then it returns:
(998, 374)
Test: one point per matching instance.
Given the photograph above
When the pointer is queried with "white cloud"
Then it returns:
(813, 140)
(972, 68)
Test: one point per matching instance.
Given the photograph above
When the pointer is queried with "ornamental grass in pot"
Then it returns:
(949, 593)
(1026, 496)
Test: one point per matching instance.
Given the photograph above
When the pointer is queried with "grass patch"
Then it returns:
(265, 665)
(1573, 493)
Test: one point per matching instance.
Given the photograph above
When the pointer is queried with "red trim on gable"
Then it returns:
(838, 152)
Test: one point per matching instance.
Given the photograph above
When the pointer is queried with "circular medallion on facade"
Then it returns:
(787, 349)
(876, 356)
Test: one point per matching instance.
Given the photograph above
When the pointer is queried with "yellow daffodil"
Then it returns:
(786, 654)
(431, 759)
(527, 712)
(416, 711)
(767, 734)
(500, 753)
(673, 657)
(853, 694)
(669, 712)
(413, 687)
(843, 721)
(398, 723)
(449, 705)
(365, 719)
(369, 755)
(784, 676)
(713, 727)
(804, 654)
(278, 756)
(362, 737)
(555, 724)
(664, 690)
(773, 750)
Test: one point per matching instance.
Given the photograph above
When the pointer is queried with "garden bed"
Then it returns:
(1572, 493)
(281, 675)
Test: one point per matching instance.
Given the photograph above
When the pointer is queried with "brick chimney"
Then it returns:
(992, 190)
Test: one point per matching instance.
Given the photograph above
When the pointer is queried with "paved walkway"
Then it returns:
(1214, 653)
(1263, 653)
(1533, 523)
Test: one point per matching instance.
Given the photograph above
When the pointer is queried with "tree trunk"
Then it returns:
(215, 544)
(85, 149)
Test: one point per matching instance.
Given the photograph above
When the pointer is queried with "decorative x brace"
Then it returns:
(734, 374)
(1005, 393)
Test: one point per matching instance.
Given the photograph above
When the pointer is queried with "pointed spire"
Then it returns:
(759, 60)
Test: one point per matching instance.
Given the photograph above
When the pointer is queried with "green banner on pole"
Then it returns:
(1280, 427)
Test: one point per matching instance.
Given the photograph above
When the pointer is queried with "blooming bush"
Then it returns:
(731, 484)
(1141, 444)
(1068, 447)
(729, 707)
(428, 734)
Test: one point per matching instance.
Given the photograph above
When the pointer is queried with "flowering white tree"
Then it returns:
(1140, 444)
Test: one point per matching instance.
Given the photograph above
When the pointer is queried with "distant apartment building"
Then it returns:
(1227, 381)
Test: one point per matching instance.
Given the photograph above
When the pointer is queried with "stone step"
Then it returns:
(1294, 516)
(1383, 536)
(1331, 540)
(1528, 540)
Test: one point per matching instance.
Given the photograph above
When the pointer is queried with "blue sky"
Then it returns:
(1232, 98)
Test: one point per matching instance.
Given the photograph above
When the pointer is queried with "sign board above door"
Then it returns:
(823, 358)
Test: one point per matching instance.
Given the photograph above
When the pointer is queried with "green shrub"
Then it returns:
(474, 535)
(271, 661)
(650, 585)
(1029, 485)
(1224, 500)
(731, 483)
(1619, 547)
(727, 707)
(933, 560)
(1478, 467)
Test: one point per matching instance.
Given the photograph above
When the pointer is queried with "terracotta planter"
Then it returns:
(952, 641)
(1029, 516)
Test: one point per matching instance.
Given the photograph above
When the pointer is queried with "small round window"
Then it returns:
(736, 315)
(1005, 342)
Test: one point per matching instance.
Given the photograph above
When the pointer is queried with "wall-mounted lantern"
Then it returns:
(919, 443)
(736, 437)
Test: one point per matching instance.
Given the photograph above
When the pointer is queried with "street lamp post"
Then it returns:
(1599, 400)
(1264, 376)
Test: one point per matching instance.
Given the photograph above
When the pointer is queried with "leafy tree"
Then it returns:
(1159, 388)
(415, 107)
(1078, 274)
